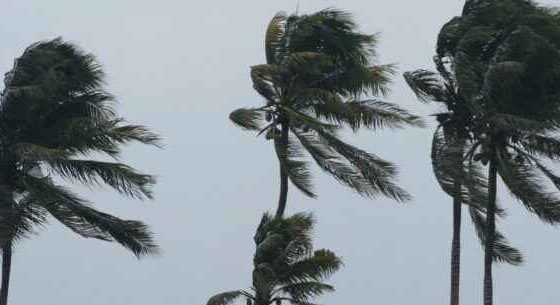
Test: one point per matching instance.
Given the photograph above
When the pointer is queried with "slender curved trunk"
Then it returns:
(283, 197)
(456, 246)
(490, 228)
(6, 269)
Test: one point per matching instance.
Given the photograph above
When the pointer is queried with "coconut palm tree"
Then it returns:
(505, 56)
(55, 117)
(318, 71)
(285, 266)
(462, 181)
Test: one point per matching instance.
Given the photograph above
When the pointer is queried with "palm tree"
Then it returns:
(505, 56)
(318, 70)
(285, 266)
(462, 181)
(54, 117)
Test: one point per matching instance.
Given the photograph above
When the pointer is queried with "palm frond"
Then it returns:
(364, 113)
(123, 134)
(553, 177)
(334, 33)
(264, 77)
(84, 136)
(121, 177)
(249, 119)
(273, 39)
(19, 218)
(523, 181)
(290, 155)
(302, 120)
(447, 163)
(305, 291)
(332, 162)
(542, 145)
(305, 63)
(297, 248)
(356, 81)
(502, 251)
(318, 267)
(427, 86)
(378, 172)
(291, 301)
(96, 105)
(378, 114)
(226, 298)
(76, 214)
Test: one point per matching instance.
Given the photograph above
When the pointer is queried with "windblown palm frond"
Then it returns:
(20, 218)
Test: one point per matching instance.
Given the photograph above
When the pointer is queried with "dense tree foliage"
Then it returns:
(461, 180)
(319, 77)
(285, 266)
(504, 57)
(55, 117)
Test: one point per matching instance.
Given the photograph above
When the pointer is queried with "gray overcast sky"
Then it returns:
(180, 67)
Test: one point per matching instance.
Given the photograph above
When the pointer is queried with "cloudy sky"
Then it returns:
(180, 67)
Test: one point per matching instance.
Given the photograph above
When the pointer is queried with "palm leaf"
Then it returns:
(76, 214)
(273, 39)
(225, 298)
(121, 177)
(305, 291)
(379, 173)
(289, 155)
(19, 218)
(524, 183)
(249, 119)
(427, 86)
(364, 113)
(318, 267)
(264, 78)
(502, 251)
(332, 162)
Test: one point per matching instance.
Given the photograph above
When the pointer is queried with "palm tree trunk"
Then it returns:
(283, 197)
(490, 228)
(6, 269)
(456, 246)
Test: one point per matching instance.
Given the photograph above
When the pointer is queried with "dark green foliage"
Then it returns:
(55, 115)
(451, 142)
(507, 50)
(285, 266)
(504, 57)
(511, 84)
(318, 70)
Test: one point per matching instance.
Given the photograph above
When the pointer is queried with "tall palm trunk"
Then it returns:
(6, 269)
(490, 228)
(283, 197)
(456, 245)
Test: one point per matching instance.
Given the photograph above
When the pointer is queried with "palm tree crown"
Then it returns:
(505, 58)
(317, 73)
(55, 115)
(285, 266)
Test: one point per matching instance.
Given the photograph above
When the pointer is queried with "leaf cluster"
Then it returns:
(54, 116)
(318, 70)
(285, 266)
